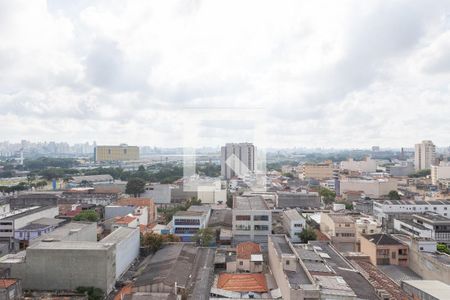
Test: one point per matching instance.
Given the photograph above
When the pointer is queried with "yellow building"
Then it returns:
(116, 153)
(319, 171)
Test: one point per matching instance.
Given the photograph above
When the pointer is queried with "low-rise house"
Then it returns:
(185, 224)
(293, 224)
(340, 229)
(10, 289)
(125, 221)
(384, 250)
(139, 212)
(137, 202)
(249, 257)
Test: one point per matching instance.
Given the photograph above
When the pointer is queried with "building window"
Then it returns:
(243, 218)
(261, 227)
(393, 255)
(241, 263)
(287, 263)
(261, 218)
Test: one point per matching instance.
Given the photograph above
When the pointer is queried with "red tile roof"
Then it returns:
(246, 249)
(242, 282)
(136, 201)
(6, 283)
(124, 220)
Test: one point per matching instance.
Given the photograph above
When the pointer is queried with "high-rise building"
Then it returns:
(425, 155)
(237, 159)
(116, 153)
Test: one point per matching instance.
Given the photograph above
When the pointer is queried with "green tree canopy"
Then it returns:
(135, 187)
(204, 237)
(87, 215)
(328, 195)
(152, 241)
(307, 234)
(394, 195)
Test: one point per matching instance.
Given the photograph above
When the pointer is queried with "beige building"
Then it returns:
(384, 250)
(116, 153)
(366, 225)
(319, 171)
(340, 228)
(365, 166)
(424, 155)
(440, 173)
(373, 188)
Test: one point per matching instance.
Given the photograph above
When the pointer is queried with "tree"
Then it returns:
(307, 234)
(328, 195)
(443, 248)
(393, 195)
(141, 168)
(204, 237)
(153, 241)
(87, 215)
(93, 293)
(135, 187)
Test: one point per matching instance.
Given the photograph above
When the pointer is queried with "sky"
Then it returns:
(332, 74)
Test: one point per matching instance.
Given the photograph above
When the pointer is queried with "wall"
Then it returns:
(428, 267)
(68, 269)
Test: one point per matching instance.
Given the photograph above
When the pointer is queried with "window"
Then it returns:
(347, 225)
(298, 225)
(243, 218)
(393, 255)
(261, 227)
(241, 263)
(287, 263)
(261, 218)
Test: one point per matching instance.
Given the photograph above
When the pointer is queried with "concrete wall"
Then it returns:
(428, 267)
(127, 251)
(112, 211)
(56, 269)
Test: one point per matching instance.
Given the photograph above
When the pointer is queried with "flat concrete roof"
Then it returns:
(293, 215)
(61, 232)
(250, 203)
(434, 288)
(119, 235)
(70, 245)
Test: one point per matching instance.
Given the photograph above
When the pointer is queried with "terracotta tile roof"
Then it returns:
(136, 201)
(242, 282)
(124, 220)
(321, 236)
(6, 283)
(246, 249)
(126, 290)
(379, 280)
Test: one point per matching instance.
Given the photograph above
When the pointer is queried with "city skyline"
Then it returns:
(335, 77)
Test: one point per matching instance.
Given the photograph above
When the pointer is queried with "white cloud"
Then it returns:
(324, 73)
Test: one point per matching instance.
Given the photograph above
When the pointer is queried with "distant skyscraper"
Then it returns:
(237, 159)
(425, 155)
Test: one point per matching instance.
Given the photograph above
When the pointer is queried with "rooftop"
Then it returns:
(124, 219)
(250, 203)
(243, 282)
(341, 218)
(412, 202)
(293, 215)
(343, 268)
(33, 226)
(48, 221)
(136, 201)
(119, 234)
(434, 288)
(432, 217)
(246, 249)
(221, 217)
(62, 232)
(7, 282)
(22, 212)
(69, 245)
(381, 239)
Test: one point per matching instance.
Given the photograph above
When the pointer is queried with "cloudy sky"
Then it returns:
(282, 73)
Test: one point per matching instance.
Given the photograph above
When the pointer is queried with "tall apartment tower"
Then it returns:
(237, 159)
(425, 155)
